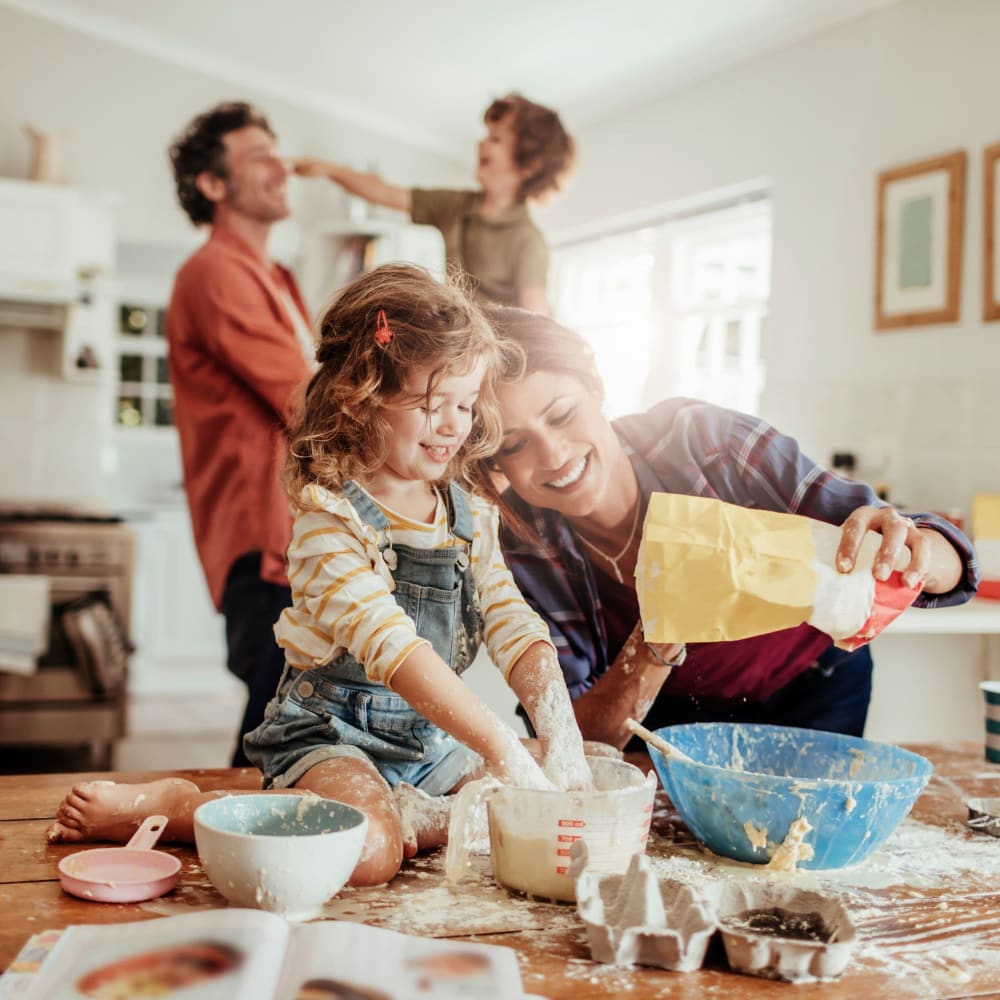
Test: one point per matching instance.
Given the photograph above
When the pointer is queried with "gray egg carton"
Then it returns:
(778, 932)
(984, 816)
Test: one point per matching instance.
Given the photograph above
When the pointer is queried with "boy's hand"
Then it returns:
(308, 166)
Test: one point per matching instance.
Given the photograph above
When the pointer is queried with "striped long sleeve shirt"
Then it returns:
(342, 589)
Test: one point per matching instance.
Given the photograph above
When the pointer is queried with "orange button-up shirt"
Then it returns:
(237, 368)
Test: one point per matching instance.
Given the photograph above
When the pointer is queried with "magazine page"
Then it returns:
(218, 955)
(17, 978)
(342, 960)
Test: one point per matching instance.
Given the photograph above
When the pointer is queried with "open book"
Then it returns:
(251, 954)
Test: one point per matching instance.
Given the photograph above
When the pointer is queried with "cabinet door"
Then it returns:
(37, 238)
(51, 236)
(180, 638)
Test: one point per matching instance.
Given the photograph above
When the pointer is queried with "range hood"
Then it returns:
(37, 305)
(55, 244)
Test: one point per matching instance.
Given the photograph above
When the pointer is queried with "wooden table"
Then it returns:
(935, 932)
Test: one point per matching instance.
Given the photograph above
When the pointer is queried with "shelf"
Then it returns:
(337, 251)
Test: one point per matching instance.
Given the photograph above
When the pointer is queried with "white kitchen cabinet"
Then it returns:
(51, 236)
(57, 260)
(336, 252)
(180, 638)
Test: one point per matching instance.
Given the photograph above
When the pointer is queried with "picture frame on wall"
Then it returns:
(920, 216)
(991, 233)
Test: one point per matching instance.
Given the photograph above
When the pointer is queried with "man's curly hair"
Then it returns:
(200, 148)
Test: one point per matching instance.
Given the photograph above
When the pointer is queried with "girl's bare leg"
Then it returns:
(357, 783)
(105, 810)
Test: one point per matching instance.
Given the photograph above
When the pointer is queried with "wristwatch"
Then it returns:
(677, 661)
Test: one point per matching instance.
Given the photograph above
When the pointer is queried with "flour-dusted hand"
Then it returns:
(513, 765)
(539, 685)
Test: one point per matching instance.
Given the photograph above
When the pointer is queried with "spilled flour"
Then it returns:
(903, 901)
(429, 906)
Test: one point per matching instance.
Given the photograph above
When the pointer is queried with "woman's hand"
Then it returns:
(934, 563)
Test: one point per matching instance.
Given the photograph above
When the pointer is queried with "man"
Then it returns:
(239, 340)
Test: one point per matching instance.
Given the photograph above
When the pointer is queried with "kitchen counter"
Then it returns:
(978, 617)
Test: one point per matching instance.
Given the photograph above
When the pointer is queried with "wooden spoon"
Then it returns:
(667, 749)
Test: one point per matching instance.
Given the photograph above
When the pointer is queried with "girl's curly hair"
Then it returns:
(341, 432)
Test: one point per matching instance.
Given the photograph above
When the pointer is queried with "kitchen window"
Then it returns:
(144, 396)
(674, 307)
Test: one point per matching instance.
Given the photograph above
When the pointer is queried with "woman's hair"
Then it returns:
(545, 346)
(541, 143)
(199, 148)
(342, 433)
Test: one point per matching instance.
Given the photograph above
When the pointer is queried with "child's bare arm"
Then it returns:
(368, 186)
(538, 683)
(430, 686)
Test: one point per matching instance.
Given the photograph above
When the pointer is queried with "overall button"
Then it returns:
(306, 690)
(390, 559)
(462, 561)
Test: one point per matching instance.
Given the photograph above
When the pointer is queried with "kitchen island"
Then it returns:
(927, 906)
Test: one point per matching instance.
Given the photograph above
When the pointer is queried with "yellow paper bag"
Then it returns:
(710, 571)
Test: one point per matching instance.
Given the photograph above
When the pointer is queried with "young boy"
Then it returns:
(525, 154)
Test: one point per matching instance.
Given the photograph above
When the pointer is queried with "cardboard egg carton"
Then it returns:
(774, 931)
(984, 816)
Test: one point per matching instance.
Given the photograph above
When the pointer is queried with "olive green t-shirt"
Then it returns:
(502, 255)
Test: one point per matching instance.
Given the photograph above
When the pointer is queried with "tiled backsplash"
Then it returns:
(933, 443)
(55, 441)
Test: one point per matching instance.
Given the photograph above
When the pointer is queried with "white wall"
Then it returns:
(120, 110)
(820, 120)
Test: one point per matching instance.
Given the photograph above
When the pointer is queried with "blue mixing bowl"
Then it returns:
(853, 792)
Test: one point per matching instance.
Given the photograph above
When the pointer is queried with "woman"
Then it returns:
(578, 490)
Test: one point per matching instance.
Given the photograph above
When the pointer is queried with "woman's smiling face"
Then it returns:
(558, 450)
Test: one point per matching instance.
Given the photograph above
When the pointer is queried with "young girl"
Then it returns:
(396, 578)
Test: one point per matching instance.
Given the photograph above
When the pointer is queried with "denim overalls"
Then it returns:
(336, 711)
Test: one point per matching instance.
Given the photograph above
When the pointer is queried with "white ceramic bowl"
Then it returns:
(285, 853)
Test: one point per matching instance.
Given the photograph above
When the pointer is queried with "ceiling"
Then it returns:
(424, 72)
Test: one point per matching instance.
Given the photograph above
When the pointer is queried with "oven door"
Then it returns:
(60, 675)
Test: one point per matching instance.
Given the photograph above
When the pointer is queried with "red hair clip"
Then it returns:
(383, 332)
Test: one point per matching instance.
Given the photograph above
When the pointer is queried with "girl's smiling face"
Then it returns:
(426, 434)
(558, 450)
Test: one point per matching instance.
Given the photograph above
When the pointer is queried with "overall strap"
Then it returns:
(364, 506)
(459, 512)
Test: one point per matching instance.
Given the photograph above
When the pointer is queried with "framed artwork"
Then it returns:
(918, 242)
(991, 233)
